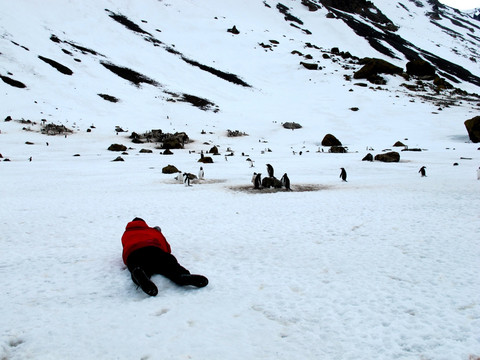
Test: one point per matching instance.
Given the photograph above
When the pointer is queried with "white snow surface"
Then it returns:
(384, 266)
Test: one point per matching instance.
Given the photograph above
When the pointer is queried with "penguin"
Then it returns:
(186, 179)
(343, 174)
(285, 181)
(258, 181)
(178, 178)
(422, 171)
(270, 170)
(201, 173)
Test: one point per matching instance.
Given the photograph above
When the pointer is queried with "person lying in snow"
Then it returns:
(147, 252)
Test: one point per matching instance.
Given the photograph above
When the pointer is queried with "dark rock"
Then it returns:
(62, 68)
(167, 152)
(412, 149)
(206, 160)
(441, 83)
(363, 8)
(473, 128)
(169, 169)
(309, 66)
(373, 67)
(213, 150)
(13, 82)
(234, 30)
(420, 67)
(398, 144)
(146, 151)
(391, 156)
(118, 158)
(311, 5)
(117, 147)
(368, 157)
(291, 125)
(53, 129)
(337, 150)
(330, 140)
(235, 133)
(109, 97)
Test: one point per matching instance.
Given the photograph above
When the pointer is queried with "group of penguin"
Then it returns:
(284, 182)
(271, 180)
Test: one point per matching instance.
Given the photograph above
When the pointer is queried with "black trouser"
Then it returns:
(153, 260)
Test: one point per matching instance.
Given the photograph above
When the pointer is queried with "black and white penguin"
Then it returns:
(343, 174)
(270, 170)
(285, 181)
(258, 181)
(422, 171)
(186, 179)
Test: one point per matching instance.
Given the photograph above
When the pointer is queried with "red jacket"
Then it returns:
(138, 235)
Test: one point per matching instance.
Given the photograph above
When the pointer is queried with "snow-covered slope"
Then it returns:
(384, 266)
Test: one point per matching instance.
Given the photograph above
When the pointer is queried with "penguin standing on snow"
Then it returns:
(343, 174)
(186, 179)
(422, 171)
(258, 181)
(270, 170)
(285, 181)
(201, 173)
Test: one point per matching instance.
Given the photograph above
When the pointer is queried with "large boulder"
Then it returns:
(391, 156)
(368, 157)
(372, 67)
(337, 150)
(117, 147)
(170, 169)
(213, 150)
(291, 125)
(330, 140)
(206, 160)
(420, 68)
(473, 129)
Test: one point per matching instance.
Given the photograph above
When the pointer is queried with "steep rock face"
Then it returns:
(473, 129)
(420, 67)
(373, 67)
(363, 8)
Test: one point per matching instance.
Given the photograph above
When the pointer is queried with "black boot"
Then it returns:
(141, 279)
(195, 280)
